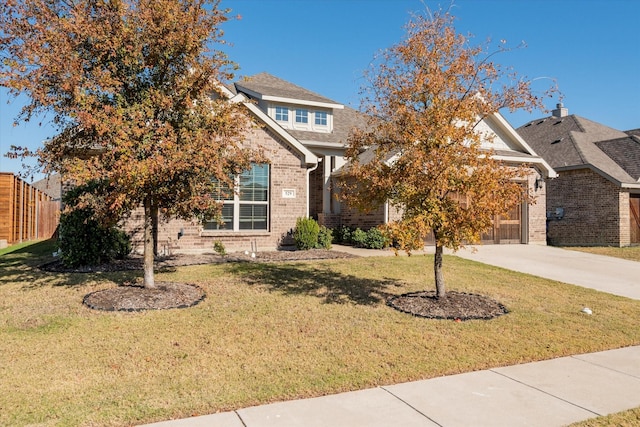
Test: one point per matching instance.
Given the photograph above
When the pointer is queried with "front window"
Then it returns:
(302, 115)
(282, 114)
(248, 207)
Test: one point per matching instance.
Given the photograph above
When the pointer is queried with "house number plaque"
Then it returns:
(288, 193)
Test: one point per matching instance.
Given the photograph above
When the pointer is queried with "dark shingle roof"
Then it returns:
(573, 141)
(268, 85)
(625, 152)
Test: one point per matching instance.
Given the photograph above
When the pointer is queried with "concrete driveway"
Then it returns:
(607, 274)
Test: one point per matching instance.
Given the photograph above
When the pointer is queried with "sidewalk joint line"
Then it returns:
(240, 418)
(412, 407)
(577, 357)
(546, 392)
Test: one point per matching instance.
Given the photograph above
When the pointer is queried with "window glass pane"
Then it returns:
(302, 116)
(254, 184)
(227, 218)
(253, 217)
(222, 191)
(282, 114)
(321, 118)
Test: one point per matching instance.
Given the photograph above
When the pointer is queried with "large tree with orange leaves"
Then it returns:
(423, 152)
(132, 86)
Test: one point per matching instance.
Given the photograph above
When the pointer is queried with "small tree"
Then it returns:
(133, 87)
(425, 98)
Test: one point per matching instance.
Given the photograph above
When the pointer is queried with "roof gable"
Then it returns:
(270, 88)
(308, 156)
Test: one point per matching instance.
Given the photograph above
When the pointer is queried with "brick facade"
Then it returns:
(533, 215)
(287, 172)
(585, 209)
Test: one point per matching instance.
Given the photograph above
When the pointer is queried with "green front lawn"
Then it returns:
(631, 253)
(269, 332)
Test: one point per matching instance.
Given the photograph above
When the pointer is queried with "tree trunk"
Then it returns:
(437, 268)
(154, 222)
(149, 244)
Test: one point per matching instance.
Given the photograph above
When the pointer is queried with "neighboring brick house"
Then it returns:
(595, 200)
(525, 223)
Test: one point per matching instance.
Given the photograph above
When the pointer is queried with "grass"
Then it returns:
(269, 332)
(631, 253)
(16, 247)
(628, 418)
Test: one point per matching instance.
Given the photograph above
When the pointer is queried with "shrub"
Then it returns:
(325, 237)
(343, 234)
(306, 233)
(219, 248)
(83, 240)
(375, 239)
(359, 238)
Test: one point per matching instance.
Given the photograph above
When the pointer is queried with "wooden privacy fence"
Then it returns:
(26, 213)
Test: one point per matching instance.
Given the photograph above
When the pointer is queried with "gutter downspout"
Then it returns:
(309, 170)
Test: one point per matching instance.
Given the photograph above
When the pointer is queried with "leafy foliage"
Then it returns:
(375, 239)
(423, 151)
(84, 240)
(342, 234)
(133, 87)
(325, 237)
(219, 248)
(306, 233)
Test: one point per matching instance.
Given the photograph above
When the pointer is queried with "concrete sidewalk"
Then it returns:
(550, 393)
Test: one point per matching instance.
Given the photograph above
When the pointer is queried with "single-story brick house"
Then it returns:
(304, 136)
(595, 200)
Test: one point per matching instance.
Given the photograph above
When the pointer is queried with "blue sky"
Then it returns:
(590, 47)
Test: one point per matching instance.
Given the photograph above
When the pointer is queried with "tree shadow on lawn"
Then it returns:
(23, 266)
(331, 286)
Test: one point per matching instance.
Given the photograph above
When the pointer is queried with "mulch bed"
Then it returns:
(455, 306)
(136, 298)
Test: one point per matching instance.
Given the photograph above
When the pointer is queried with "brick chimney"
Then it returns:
(560, 111)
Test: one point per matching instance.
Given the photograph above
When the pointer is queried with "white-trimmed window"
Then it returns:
(320, 118)
(302, 115)
(248, 207)
(282, 114)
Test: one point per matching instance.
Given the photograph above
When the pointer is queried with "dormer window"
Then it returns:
(299, 118)
(302, 116)
(282, 114)
(321, 118)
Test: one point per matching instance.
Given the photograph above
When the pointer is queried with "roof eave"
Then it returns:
(539, 161)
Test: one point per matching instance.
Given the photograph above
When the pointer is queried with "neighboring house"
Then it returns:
(304, 136)
(595, 200)
(51, 186)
